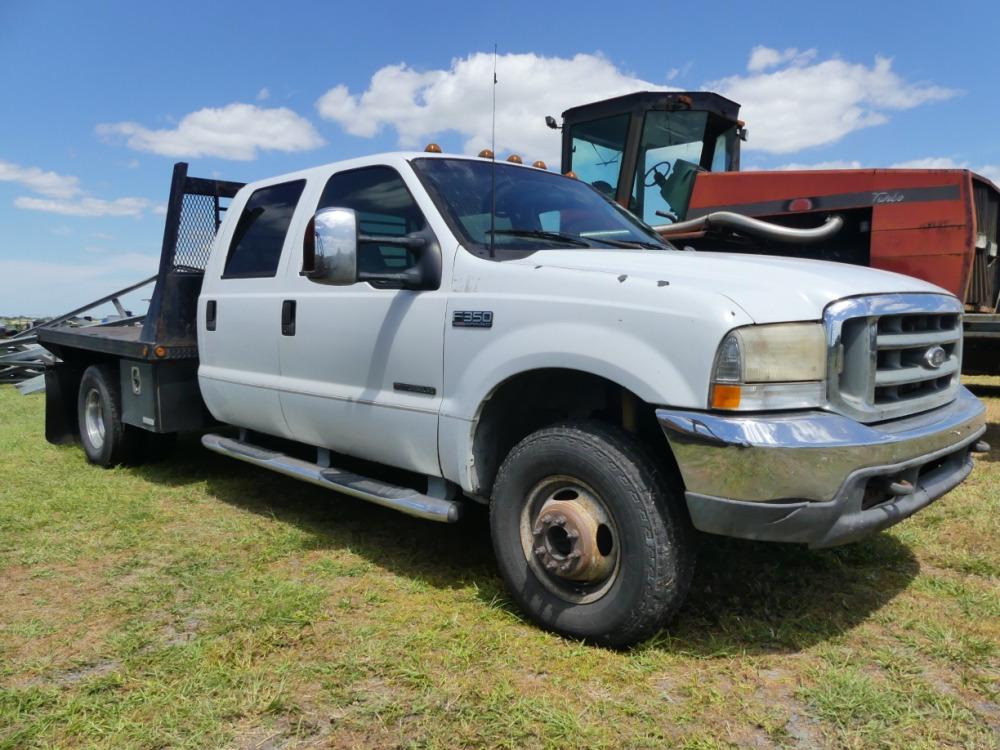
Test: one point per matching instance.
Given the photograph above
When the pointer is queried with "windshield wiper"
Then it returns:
(629, 243)
(541, 234)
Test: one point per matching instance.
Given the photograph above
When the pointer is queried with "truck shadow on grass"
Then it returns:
(746, 597)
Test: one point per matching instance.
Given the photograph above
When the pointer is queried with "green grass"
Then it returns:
(201, 603)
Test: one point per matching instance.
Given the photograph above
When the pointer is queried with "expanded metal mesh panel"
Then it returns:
(196, 229)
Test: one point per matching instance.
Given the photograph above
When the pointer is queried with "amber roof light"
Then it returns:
(432, 148)
(514, 159)
(485, 154)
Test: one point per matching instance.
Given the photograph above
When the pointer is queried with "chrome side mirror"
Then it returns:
(330, 254)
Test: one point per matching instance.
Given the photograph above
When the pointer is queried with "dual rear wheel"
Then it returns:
(106, 439)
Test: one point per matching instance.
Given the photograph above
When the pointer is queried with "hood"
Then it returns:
(770, 289)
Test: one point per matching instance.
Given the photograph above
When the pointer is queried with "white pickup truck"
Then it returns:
(423, 330)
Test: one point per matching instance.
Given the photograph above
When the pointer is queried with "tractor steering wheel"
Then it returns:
(655, 177)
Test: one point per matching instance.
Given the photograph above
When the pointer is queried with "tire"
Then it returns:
(106, 440)
(598, 474)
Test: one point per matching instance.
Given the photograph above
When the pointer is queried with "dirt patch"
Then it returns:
(71, 677)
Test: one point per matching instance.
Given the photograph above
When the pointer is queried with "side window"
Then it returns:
(256, 246)
(384, 206)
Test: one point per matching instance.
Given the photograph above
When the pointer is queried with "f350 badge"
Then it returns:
(472, 319)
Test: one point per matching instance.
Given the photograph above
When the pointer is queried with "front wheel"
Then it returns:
(590, 537)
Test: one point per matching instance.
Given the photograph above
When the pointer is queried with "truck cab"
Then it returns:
(425, 331)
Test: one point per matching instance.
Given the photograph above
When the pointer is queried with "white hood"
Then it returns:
(770, 289)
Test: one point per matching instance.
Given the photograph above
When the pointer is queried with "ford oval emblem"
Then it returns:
(935, 357)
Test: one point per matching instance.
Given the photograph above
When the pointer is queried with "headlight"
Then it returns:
(780, 366)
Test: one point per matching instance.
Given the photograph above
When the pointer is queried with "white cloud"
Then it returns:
(46, 183)
(264, 94)
(421, 105)
(85, 206)
(932, 162)
(62, 194)
(989, 171)
(832, 164)
(235, 131)
(762, 58)
(806, 103)
(680, 72)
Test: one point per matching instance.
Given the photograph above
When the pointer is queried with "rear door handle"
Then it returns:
(210, 308)
(288, 317)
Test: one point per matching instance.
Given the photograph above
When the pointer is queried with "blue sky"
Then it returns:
(101, 99)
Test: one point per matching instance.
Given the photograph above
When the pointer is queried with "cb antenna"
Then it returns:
(493, 159)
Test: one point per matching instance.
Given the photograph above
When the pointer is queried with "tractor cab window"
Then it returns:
(598, 146)
(671, 153)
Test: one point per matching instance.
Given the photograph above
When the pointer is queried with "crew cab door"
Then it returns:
(362, 365)
(239, 316)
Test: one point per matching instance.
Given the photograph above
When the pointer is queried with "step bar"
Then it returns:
(403, 499)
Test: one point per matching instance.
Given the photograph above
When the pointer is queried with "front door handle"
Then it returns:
(288, 317)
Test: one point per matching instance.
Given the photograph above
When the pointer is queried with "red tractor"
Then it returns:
(673, 159)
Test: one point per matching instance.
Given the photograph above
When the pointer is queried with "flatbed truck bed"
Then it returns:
(157, 356)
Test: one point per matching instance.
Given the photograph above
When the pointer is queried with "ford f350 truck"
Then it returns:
(422, 331)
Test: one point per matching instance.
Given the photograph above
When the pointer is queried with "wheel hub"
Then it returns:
(568, 537)
(94, 419)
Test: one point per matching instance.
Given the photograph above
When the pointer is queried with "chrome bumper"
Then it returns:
(816, 477)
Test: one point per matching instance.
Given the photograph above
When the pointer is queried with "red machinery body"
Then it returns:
(920, 222)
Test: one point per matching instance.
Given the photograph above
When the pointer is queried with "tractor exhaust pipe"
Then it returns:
(747, 225)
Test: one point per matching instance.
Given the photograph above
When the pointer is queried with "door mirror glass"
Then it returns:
(331, 247)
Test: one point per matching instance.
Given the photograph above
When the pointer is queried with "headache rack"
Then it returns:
(168, 330)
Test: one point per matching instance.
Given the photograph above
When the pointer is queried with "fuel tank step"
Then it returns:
(403, 499)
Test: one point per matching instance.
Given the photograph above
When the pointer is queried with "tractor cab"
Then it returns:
(645, 149)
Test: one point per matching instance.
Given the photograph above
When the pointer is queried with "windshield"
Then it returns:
(535, 209)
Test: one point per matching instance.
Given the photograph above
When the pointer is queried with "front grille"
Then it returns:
(893, 354)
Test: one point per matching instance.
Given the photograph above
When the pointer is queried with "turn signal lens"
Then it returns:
(725, 396)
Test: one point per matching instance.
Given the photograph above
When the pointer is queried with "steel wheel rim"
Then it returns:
(93, 418)
(555, 508)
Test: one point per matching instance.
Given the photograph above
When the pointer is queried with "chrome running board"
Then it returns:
(403, 499)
